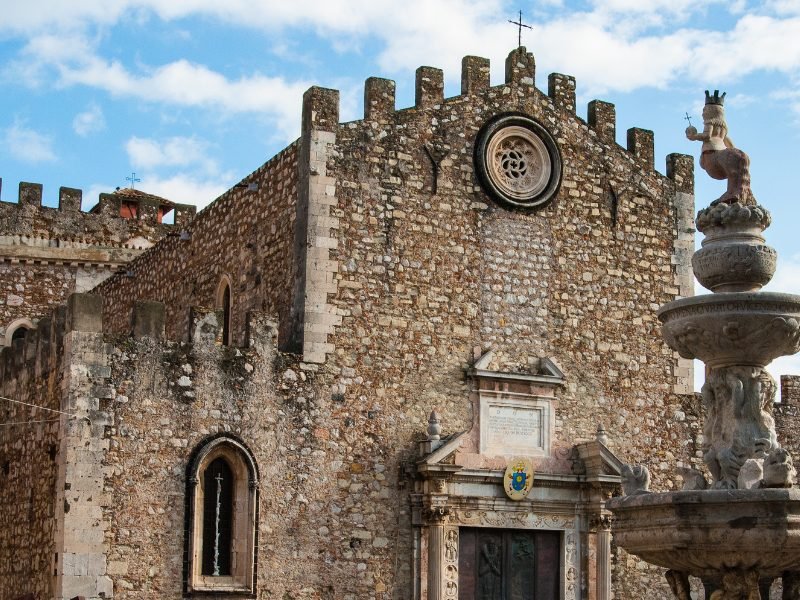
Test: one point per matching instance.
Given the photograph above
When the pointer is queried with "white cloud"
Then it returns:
(603, 46)
(602, 60)
(186, 188)
(755, 43)
(790, 98)
(27, 144)
(179, 83)
(89, 121)
(148, 153)
(784, 7)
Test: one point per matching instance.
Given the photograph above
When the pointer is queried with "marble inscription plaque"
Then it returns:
(515, 426)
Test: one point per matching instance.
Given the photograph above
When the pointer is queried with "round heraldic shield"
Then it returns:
(518, 479)
(517, 161)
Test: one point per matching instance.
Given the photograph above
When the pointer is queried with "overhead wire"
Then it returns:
(37, 406)
(53, 410)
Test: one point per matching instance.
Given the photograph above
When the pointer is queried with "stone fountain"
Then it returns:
(740, 530)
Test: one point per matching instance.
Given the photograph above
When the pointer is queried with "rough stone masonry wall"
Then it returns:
(168, 398)
(245, 235)
(29, 454)
(48, 253)
(423, 278)
(787, 415)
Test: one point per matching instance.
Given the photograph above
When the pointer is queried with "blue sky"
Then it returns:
(194, 94)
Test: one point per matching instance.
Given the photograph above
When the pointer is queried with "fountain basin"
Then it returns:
(734, 267)
(705, 532)
(738, 328)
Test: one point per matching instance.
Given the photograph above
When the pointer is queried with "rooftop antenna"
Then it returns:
(520, 25)
(133, 179)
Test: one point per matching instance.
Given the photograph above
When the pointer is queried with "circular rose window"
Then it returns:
(518, 162)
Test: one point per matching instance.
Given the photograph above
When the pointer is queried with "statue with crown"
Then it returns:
(720, 158)
(738, 529)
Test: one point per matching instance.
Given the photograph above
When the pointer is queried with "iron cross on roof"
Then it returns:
(520, 25)
(133, 179)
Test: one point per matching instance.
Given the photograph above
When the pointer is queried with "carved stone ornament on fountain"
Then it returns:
(741, 529)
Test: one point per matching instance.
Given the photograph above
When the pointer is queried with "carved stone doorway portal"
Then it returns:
(509, 564)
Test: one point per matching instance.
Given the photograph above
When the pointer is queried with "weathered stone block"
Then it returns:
(561, 88)
(641, 145)
(109, 204)
(474, 74)
(602, 117)
(205, 326)
(69, 199)
(85, 313)
(790, 390)
(520, 67)
(148, 319)
(320, 109)
(429, 88)
(680, 168)
(378, 98)
(30, 194)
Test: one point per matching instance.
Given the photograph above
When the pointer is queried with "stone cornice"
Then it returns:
(72, 256)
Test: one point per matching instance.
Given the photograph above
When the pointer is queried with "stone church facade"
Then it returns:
(316, 389)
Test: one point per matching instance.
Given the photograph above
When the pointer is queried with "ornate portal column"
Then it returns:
(436, 517)
(599, 567)
(604, 559)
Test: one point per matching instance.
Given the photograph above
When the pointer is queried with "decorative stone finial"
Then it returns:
(601, 435)
(434, 427)
(720, 158)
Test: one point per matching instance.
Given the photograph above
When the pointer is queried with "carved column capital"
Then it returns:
(435, 515)
(599, 523)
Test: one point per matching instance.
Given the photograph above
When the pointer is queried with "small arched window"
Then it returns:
(222, 486)
(17, 330)
(223, 303)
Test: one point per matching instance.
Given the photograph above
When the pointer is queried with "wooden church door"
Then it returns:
(497, 564)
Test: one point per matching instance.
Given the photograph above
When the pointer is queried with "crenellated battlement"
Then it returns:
(47, 252)
(40, 350)
(520, 75)
(124, 204)
(121, 222)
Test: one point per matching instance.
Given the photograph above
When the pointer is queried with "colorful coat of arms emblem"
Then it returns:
(518, 478)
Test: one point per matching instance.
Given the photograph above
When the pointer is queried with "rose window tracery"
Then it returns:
(518, 162)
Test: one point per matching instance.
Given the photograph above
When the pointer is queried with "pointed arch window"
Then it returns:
(222, 500)
(223, 303)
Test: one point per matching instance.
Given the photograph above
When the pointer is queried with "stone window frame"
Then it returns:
(219, 304)
(240, 459)
(14, 326)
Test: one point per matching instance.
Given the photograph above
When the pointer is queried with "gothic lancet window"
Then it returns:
(223, 302)
(222, 486)
(217, 518)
